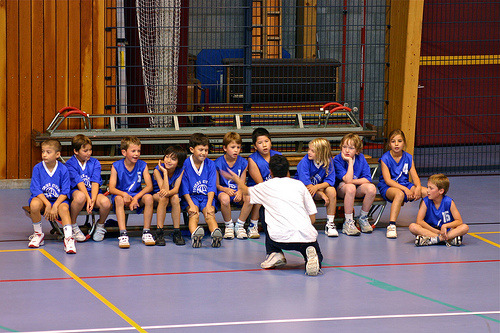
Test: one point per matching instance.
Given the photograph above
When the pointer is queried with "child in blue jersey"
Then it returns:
(167, 177)
(50, 186)
(258, 171)
(394, 183)
(85, 176)
(125, 187)
(438, 219)
(228, 191)
(354, 181)
(316, 170)
(198, 187)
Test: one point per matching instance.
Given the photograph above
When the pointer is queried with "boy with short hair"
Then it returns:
(258, 171)
(438, 219)
(125, 186)
(50, 186)
(198, 188)
(290, 214)
(86, 180)
(228, 191)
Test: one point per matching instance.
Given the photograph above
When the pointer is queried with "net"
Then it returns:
(159, 34)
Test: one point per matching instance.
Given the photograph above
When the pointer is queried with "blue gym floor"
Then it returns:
(370, 283)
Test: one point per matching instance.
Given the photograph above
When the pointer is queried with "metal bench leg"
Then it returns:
(379, 215)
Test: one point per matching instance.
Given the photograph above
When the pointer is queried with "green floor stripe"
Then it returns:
(389, 287)
(7, 329)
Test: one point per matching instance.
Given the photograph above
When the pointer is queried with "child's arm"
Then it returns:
(160, 181)
(241, 183)
(416, 190)
(81, 187)
(390, 182)
(191, 206)
(238, 195)
(147, 189)
(224, 189)
(112, 187)
(254, 172)
(54, 209)
(421, 216)
(177, 185)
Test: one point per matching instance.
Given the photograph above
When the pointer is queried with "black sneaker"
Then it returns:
(177, 237)
(160, 237)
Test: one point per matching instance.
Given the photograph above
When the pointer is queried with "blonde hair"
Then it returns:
(441, 181)
(355, 139)
(230, 137)
(323, 152)
(393, 134)
(129, 140)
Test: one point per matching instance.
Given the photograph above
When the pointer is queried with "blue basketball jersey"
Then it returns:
(199, 181)
(239, 166)
(129, 181)
(310, 173)
(171, 180)
(436, 217)
(360, 169)
(50, 184)
(88, 173)
(399, 171)
(263, 166)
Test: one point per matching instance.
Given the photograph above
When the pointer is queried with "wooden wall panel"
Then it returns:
(25, 90)
(3, 88)
(37, 75)
(54, 57)
(12, 139)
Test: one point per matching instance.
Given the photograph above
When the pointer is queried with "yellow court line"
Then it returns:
(93, 291)
(19, 250)
(479, 59)
(486, 232)
(484, 239)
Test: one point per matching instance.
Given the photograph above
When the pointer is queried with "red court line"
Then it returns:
(252, 270)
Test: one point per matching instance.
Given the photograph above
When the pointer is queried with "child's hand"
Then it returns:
(325, 198)
(163, 193)
(229, 175)
(417, 193)
(348, 159)
(237, 196)
(192, 210)
(134, 204)
(312, 189)
(127, 199)
(409, 194)
(90, 206)
(443, 232)
(161, 167)
(52, 216)
(229, 191)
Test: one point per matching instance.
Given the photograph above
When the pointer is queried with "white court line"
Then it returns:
(277, 321)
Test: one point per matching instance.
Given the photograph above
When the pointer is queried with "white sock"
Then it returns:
(75, 227)
(330, 219)
(253, 223)
(349, 217)
(363, 214)
(229, 224)
(37, 227)
(434, 240)
(68, 231)
(239, 224)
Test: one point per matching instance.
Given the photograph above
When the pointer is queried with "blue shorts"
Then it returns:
(382, 188)
(200, 201)
(52, 200)
(112, 197)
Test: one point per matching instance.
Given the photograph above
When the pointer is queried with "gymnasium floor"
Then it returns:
(370, 283)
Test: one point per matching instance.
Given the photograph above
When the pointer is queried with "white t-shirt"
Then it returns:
(288, 205)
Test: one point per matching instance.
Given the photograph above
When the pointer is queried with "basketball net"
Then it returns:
(159, 34)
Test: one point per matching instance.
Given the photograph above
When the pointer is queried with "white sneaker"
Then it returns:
(391, 231)
(457, 241)
(422, 240)
(350, 229)
(36, 240)
(312, 264)
(229, 233)
(197, 236)
(253, 231)
(123, 242)
(148, 239)
(331, 231)
(78, 234)
(365, 225)
(69, 245)
(241, 233)
(273, 260)
(99, 233)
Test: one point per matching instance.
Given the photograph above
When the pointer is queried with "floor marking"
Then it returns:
(280, 321)
(93, 291)
(474, 234)
(18, 250)
(485, 232)
(251, 270)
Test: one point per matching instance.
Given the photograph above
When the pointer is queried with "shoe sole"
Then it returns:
(196, 237)
(277, 264)
(254, 236)
(124, 246)
(392, 237)
(351, 234)
(70, 251)
(217, 239)
(149, 243)
(312, 265)
(331, 235)
(160, 243)
(36, 247)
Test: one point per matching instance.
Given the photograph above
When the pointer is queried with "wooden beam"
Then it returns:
(404, 40)
(3, 89)
(306, 29)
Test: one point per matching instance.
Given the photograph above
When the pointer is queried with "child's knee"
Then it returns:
(349, 189)
(413, 227)
(36, 205)
(104, 202)
(175, 200)
(148, 200)
(78, 197)
(63, 209)
(224, 199)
